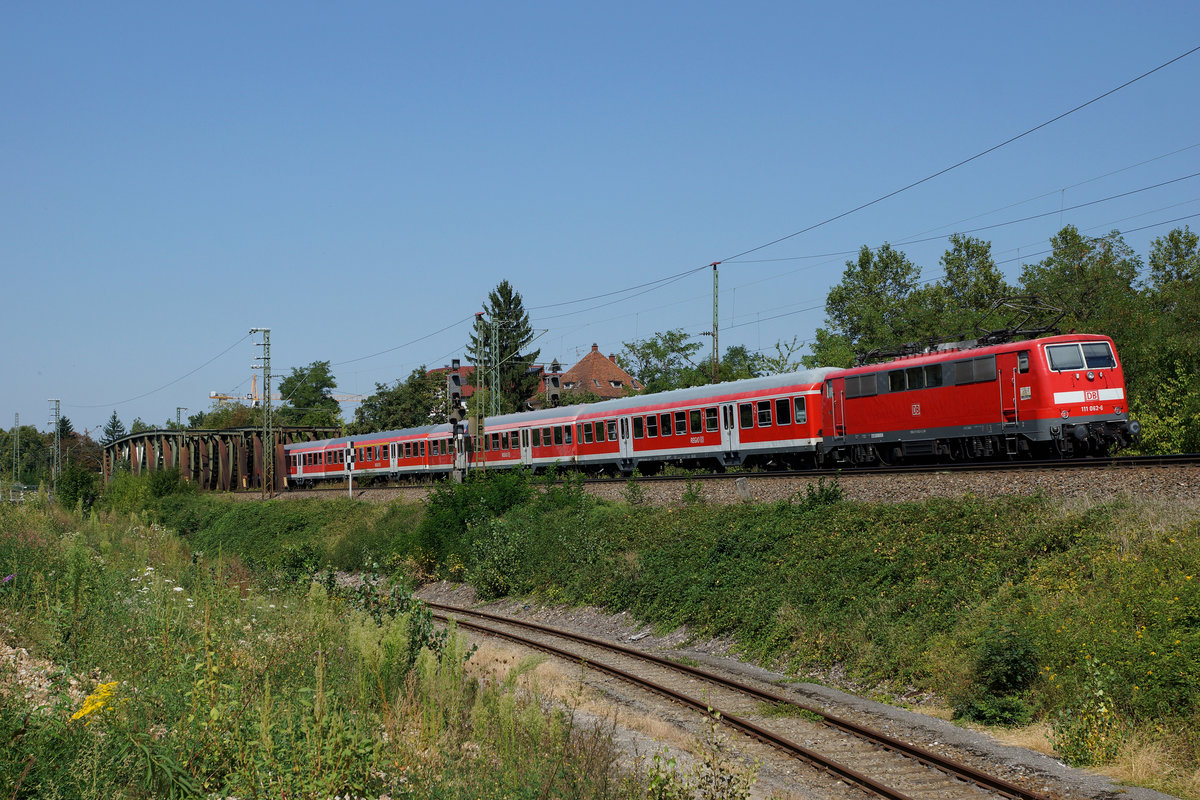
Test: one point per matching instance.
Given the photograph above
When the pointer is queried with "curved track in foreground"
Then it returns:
(952, 776)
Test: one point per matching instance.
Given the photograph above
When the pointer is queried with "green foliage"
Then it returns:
(226, 415)
(662, 362)
(77, 487)
(306, 397)
(501, 337)
(868, 309)
(418, 400)
(457, 513)
(1089, 732)
(1006, 666)
(822, 493)
(216, 684)
(693, 493)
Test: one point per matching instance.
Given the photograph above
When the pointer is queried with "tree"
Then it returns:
(970, 285)
(306, 397)
(1091, 279)
(65, 428)
(77, 486)
(784, 360)
(227, 415)
(738, 363)
(503, 338)
(868, 309)
(662, 362)
(1174, 260)
(139, 427)
(114, 429)
(416, 401)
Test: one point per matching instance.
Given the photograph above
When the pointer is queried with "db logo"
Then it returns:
(1091, 397)
(916, 409)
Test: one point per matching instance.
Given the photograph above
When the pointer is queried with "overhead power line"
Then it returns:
(965, 161)
(169, 384)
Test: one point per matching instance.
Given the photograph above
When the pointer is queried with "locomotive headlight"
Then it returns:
(1091, 375)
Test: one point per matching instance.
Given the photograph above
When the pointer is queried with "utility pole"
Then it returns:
(715, 374)
(268, 433)
(481, 378)
(495, 367)
(17, 448)
(56, 468)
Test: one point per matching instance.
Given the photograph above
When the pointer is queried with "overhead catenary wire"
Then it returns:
(165, 385)
(967, 160)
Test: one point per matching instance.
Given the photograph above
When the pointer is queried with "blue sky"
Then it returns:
(357, 176)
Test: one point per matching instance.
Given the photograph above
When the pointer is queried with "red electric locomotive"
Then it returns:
(1060, 395)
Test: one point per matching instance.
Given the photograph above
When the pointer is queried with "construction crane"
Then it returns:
(255, 397)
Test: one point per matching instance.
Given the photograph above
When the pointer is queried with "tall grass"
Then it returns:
(205, 681)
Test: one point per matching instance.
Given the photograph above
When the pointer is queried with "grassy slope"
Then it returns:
(1012, 608)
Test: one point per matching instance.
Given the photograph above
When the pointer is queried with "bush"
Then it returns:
(1006, 665)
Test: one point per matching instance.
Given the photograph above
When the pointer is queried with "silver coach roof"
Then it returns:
(604, 407)
(709, 390)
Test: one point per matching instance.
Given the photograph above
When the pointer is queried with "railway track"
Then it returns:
(1111, 466)
(850, 752)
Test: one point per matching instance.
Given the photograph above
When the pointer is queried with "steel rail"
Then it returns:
(926, 757)
(1118, 462)
(781, 743)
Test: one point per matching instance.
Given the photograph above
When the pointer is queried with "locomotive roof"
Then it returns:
(969, 351)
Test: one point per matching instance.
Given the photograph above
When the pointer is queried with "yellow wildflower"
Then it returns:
(96, 700)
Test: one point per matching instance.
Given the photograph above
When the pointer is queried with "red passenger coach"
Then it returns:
(768, 421)
(1061, 395)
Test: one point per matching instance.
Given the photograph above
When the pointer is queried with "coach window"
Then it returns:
(652, 426)
(985, 368)
(547, 435)
(915, 377)
(537, 437)
(558, 434)
(711, 419)
(764, 413)
(566, 434)
(801, 410)
(680, 423)
(746, 415)
(783, 411)
(639, 427)
(1023, 361)
(612, 430)
(664, 424)
(896, 380)
(587, 432)
(694, 414)
(933, 375)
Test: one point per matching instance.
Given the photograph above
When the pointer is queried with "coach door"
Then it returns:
(1006, 377)
(526, 448)
(729, 437)
(625, 438)
(835, 393)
